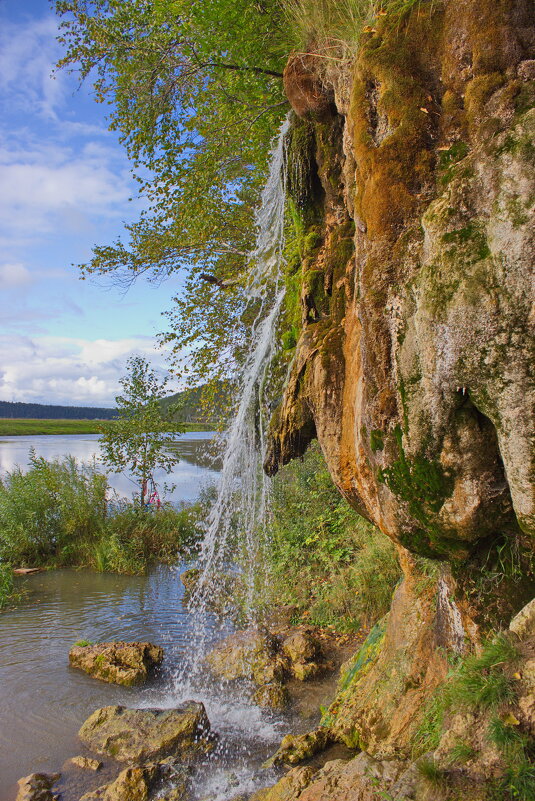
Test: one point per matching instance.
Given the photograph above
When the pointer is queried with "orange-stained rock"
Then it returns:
(414, 363)
(304, 88)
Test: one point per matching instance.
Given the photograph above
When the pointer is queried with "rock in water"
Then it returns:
(141, 735)
(132, 784)
(37, 787)
(126, 663)
(86, 763)
(250, 654)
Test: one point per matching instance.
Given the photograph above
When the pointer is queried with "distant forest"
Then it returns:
(197, 405)
(41, 411)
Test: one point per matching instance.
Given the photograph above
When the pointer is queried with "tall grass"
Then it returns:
(7, 586)
(332, 28)
(332, 565)
(47, 512)
(56, 514)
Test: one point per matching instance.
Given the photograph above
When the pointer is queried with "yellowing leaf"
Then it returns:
(510, 720)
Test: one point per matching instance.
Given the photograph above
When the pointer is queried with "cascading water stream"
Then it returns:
(236, 531)
(243, 493)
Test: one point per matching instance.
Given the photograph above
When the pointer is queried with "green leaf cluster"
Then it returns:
(140, 438)
(327, 561)
(195, 92)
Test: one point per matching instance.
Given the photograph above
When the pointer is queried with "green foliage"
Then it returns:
(461, 752)
(83, 643)
(506, 736)
(8, 595)
(519, 781)
(428, 768)
(140, 438)
(48, 511)
(136, 538)
(56, 514)
(336, 568)
(478, 681)
(195, 91)
(427, 735)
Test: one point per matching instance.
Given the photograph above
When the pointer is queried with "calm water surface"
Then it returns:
(43, 702)
(196, 468)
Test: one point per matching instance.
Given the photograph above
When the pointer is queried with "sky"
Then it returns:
(65, 185)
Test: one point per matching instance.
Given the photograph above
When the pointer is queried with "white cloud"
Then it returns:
(42, 190)
(28, 53)
(14, 275)
(68, 371)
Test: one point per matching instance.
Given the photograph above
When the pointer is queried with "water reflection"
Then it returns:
(42, 700)
(197, 466)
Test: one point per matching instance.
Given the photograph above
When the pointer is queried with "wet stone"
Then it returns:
(141, 735)
(126, 663)
(37, 787)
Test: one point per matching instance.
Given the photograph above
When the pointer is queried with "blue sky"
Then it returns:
(65, 185)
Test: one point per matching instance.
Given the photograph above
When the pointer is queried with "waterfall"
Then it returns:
(236, 531)
(242, 475)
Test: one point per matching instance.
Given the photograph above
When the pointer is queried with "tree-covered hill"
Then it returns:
(42, 411)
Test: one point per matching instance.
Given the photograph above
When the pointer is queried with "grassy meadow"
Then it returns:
(22, 426)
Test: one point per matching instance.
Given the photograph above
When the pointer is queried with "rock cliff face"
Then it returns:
(411, 179)
(411, 172)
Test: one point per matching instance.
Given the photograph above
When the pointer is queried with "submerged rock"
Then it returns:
(37, 787)
(126, 663)
(142, 735)
(86, 763)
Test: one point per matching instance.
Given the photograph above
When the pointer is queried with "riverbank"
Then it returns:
(63, 607)
(22, 426)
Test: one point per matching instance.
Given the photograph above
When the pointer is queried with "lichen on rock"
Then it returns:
(142, 735)
(126, 663)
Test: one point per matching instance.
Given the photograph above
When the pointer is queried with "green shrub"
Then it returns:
(135, 537)
(334, 566)
(56, 514)
(47, 513)
(7, 586)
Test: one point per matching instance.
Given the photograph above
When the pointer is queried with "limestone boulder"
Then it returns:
(287, 788)
(37, 787)
(132, 784)
(251, 654)
(126, 663)
(304, 652)
(145, 735)
(295, 748)
(523, 624)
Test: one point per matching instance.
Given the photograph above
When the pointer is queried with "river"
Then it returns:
(197, 467)
(43, 702)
